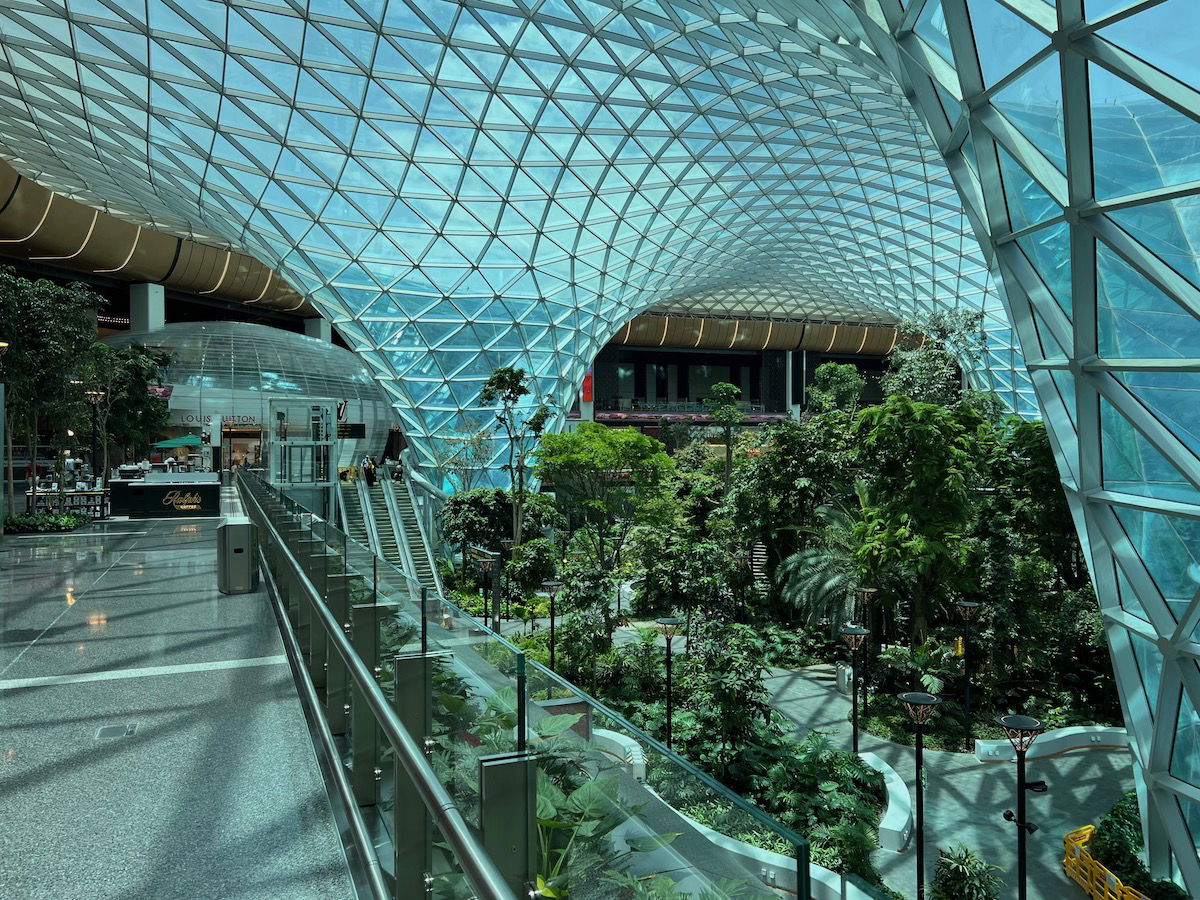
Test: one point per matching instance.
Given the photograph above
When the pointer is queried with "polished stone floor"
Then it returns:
(152, 744)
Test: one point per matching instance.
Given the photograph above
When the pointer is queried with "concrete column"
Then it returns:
(795, 404)
(318, 328)
(147, 307)
(587, 408)
(3, 466)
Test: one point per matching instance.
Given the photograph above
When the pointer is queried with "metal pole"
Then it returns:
(669, 747)
(94, 460)
(424, 619)
(920, 815)
(552, 669)
(1021, 829)
(520, 702)
(967, 687)
(866, 675)
(854, 697)
(496, 597)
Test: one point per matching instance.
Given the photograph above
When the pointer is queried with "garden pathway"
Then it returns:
(964, 798)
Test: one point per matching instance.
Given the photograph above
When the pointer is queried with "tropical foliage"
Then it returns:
(961, 874)
(889, 515)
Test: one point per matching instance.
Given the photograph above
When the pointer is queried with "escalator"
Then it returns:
(418, 551)
(387, 544)
(352, 514)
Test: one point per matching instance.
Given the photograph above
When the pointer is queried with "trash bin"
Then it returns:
(237, 556)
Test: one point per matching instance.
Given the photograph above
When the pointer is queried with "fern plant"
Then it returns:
(961, 874)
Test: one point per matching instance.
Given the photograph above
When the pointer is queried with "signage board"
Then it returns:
(351, 430)
(147, 500)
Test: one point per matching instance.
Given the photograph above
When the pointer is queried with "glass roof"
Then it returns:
(464, 184)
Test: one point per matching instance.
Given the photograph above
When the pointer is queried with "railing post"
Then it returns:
(803, 876)
(412, 834)
(507, 816)
(306, 549)
(424, 619)
(364, 730)
(336, 679)
(520, 702)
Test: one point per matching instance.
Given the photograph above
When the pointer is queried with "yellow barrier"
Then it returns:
(1094, 878)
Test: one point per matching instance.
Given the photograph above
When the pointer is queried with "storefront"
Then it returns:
(224, 375)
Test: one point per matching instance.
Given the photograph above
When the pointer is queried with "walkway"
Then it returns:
(153, 745)
(964, 799)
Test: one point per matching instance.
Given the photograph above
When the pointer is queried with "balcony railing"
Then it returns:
(470, 769)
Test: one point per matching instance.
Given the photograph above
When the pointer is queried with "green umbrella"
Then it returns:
(188, 440)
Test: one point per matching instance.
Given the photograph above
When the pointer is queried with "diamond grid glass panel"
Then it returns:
(459, 186)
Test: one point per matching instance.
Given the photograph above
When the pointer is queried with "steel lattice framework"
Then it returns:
(462, 185)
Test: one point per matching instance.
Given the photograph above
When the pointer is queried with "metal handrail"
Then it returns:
(800, 843)
(476, 864)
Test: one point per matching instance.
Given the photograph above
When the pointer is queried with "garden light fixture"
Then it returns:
(920, 707)
(552, 588)
(854, 636)
(670, 627)
(1021, 732)
(968, 611)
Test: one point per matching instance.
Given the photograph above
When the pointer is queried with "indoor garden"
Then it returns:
(753, 547)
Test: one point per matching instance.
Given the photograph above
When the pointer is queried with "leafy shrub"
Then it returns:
(961, 874)
(1116, 843)
(43, 523)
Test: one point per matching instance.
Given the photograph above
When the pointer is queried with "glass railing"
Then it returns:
(611, 812)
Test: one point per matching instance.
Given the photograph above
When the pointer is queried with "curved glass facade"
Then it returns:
(233, 370)
(461, 185)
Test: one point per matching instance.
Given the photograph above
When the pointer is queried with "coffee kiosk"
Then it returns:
(163, 495)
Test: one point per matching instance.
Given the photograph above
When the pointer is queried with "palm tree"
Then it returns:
(821, 579)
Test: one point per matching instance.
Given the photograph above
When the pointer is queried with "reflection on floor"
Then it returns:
(151, 741)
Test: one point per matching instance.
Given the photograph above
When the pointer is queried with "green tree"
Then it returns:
(920, 497)
(532, 563)
(725, 414)
(836, 386)
(605, 480)
(790, 470)
(128, 414)
(506, 389)
(464, 457)
(478, 516)
(48, 327)
(931, 356)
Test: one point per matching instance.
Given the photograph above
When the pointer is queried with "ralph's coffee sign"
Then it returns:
(146, 500)
(183, 501)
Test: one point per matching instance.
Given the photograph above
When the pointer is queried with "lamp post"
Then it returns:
(552, 588)
(506, 546)
(967, 611)
(3, 448)
(854, 636)
(920, 708)
(490, 591)
(94, 398)
(670, 628)
(865, 596)
(1021, 732)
